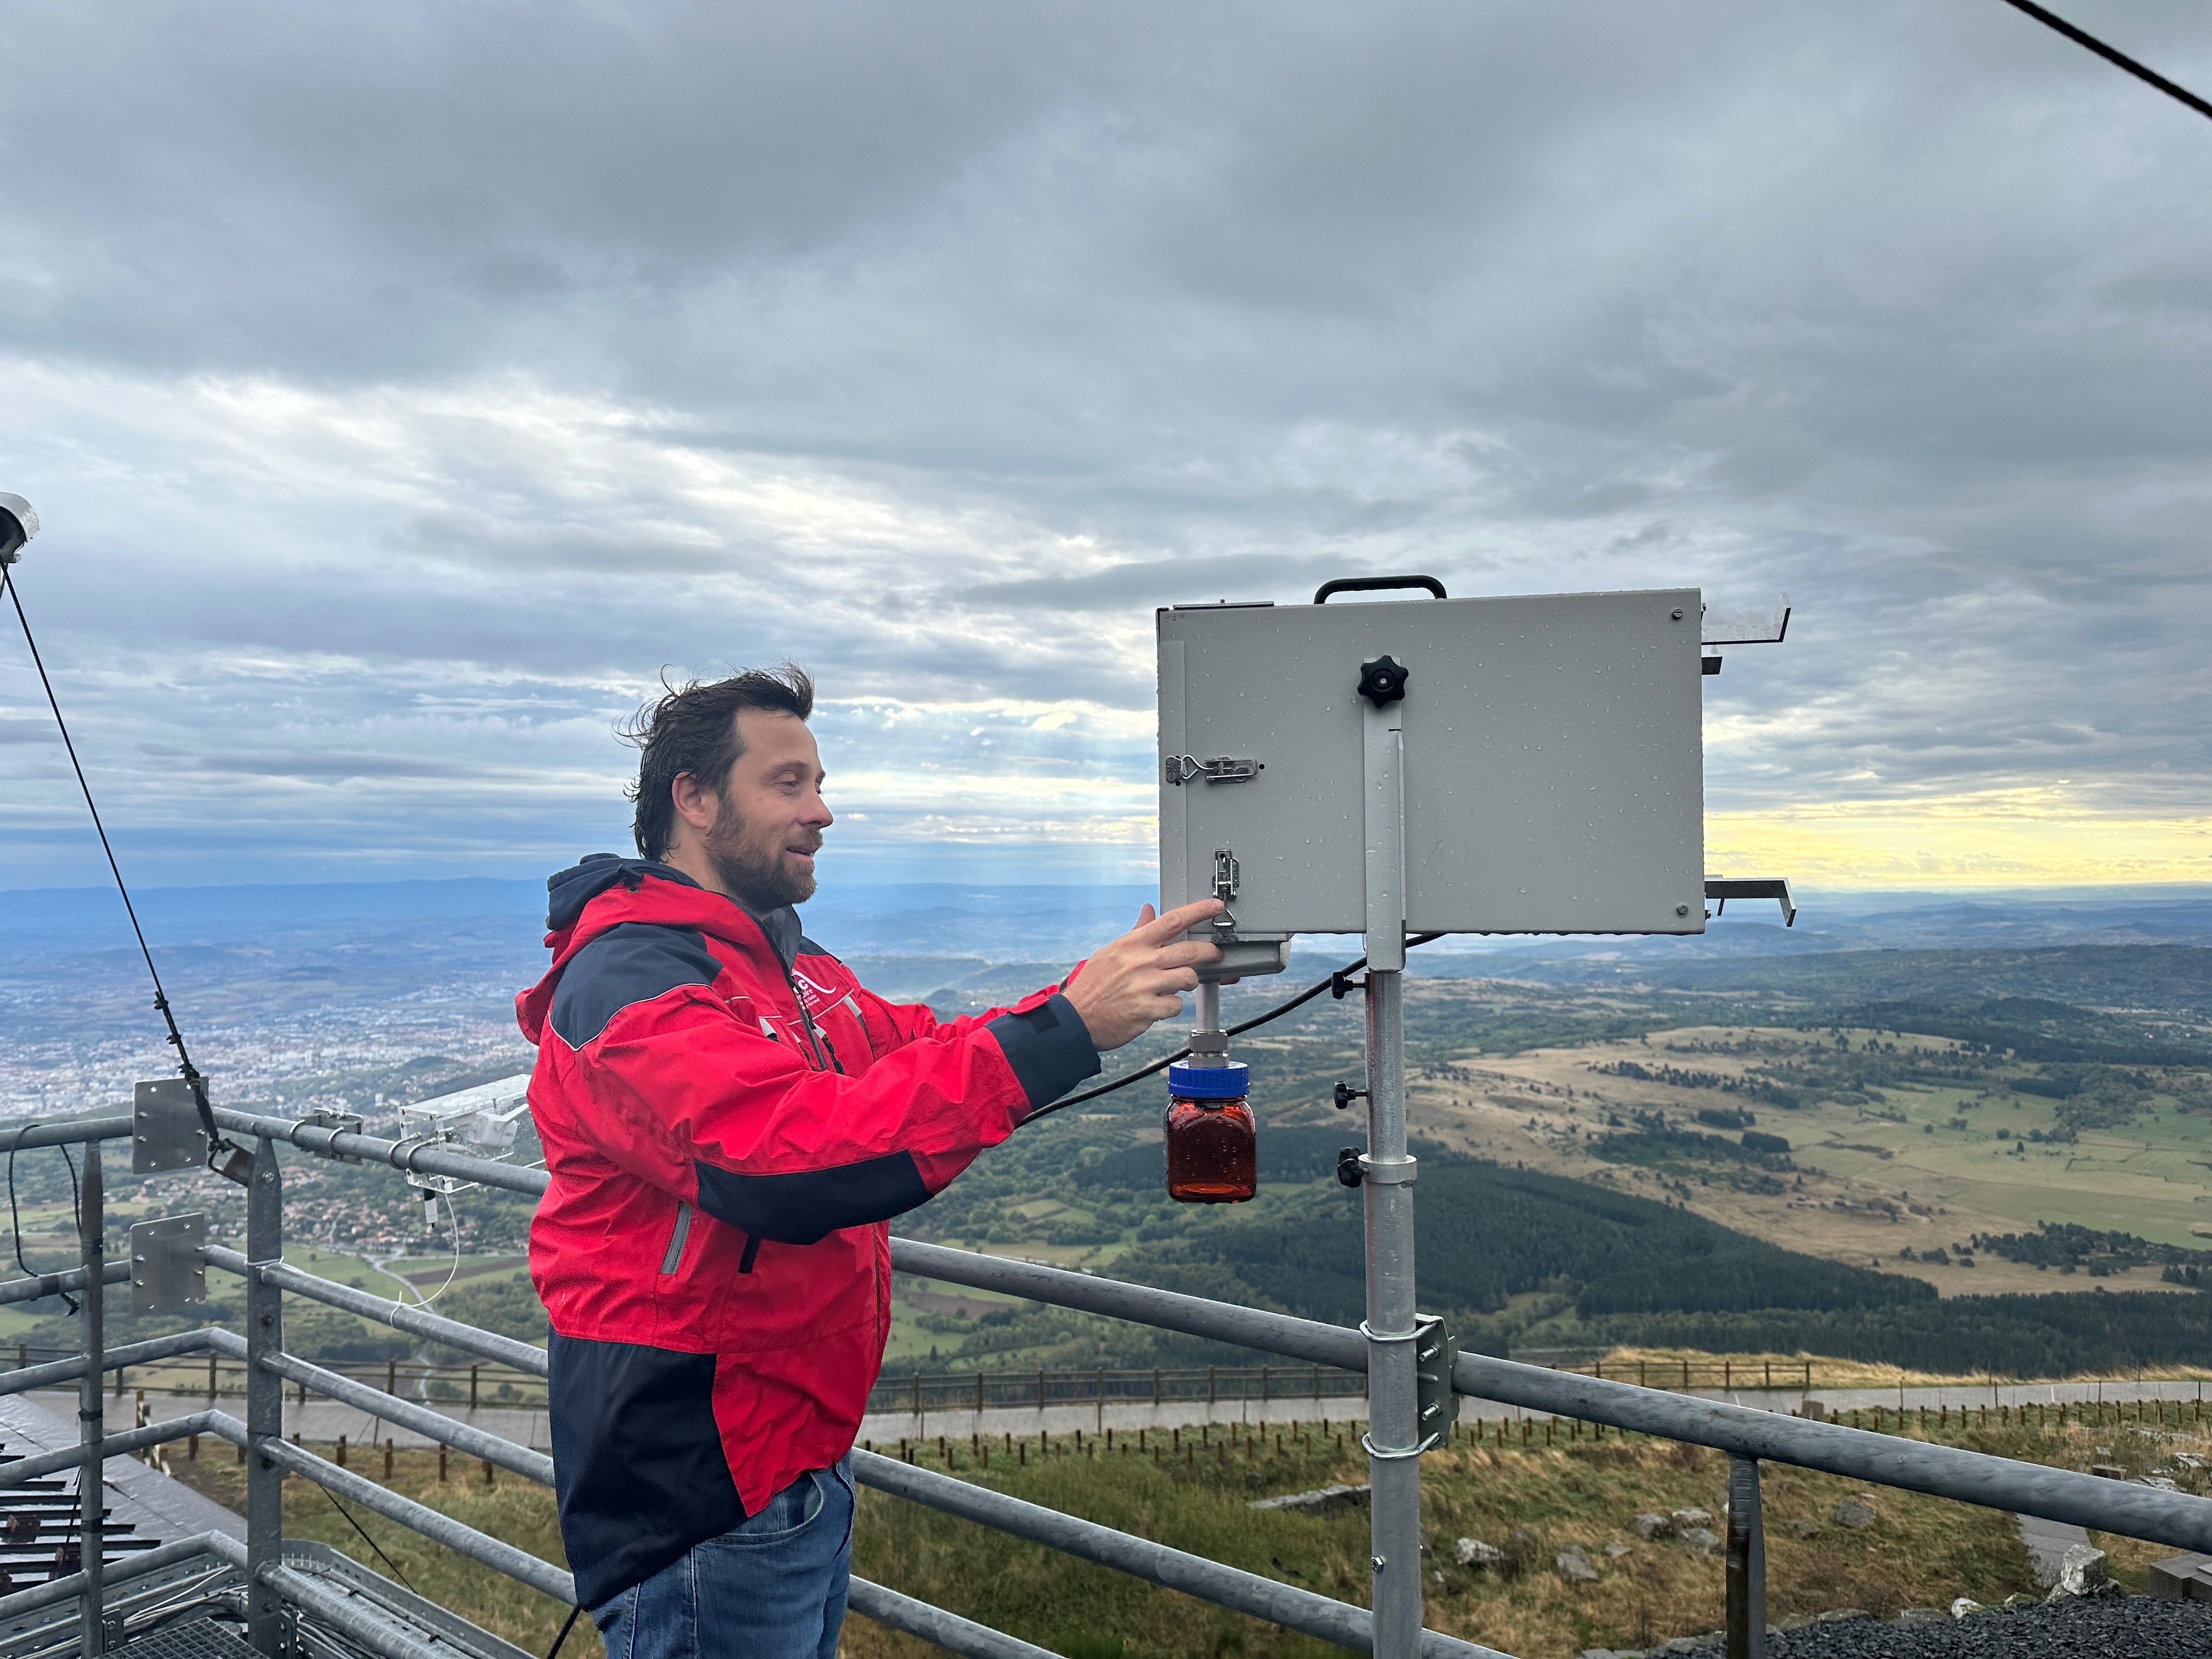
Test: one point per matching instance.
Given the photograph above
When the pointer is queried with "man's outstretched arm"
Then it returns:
(1119, 992)
(686, 1091)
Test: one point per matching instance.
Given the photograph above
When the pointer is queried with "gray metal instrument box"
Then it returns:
(1552, 761)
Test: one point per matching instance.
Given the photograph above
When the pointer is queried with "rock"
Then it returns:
(1805, 1528)
(1922, 1616)
(1692, 1518)
(1521, 1539)
(1574, 1566)
(1965, 1607)
(2159, 1482)
(2017, 1600)
(1703, 1542)
(1473, 1552)
(1322, 1502)
(1856, 1512)
(1616, 1551)
(1650, 1525)
(2108, 1470)
(2192, 1460)
(1840, 1615)
(2083, 1572)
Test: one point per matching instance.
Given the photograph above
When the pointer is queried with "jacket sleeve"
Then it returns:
(914, 1021)
(685, 1090)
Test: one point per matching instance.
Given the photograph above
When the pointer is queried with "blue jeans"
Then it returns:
(772, 1588)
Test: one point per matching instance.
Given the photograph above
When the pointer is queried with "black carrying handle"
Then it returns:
(1376, 584)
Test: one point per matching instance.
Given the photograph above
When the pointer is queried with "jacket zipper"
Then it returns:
(674, 1259)
(822, 1063)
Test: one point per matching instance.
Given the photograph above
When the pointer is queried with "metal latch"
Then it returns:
(1179, 770)
(1225, 873)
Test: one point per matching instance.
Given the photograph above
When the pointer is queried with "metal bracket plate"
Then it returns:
(1435, 1348)
(169, 1264)
(165, 1128)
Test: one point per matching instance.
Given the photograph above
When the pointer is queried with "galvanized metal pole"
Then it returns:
(91, 1413)
(1747, 1562)
(264, 1400)
(1393, 1430)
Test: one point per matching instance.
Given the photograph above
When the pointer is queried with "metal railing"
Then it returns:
(1037, 1391)
(920, 1392)
(274, 1586)
(480, 1383)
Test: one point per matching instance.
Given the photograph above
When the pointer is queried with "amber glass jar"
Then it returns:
(1213, 1146)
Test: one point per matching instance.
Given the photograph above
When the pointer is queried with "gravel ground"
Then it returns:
(2094, 1627)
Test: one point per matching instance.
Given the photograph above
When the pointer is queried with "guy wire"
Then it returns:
(216, 1141)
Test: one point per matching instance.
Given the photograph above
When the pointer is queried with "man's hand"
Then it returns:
(1128, 987)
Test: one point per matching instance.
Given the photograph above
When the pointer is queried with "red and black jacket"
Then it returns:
(729, 1122)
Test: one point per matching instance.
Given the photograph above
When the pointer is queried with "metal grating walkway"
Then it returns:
(187, 1638)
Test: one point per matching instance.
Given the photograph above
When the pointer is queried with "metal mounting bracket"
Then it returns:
(1435, 1348)
(1748, 887)
(169, 1264)
(166, 1134)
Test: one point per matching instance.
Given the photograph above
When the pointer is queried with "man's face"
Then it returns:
(771, 818)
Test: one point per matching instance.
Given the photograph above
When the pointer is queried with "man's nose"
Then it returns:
(817, 815)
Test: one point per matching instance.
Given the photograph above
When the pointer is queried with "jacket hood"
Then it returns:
(604, 890)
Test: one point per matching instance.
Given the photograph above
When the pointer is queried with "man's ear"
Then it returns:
(695, 803)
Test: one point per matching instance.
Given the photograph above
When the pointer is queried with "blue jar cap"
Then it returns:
(1208, 1082)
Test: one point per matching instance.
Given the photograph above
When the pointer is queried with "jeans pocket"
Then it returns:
(785, 1516)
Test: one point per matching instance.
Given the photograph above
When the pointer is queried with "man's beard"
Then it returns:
(756, 874)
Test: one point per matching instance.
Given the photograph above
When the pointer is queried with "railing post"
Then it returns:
(265, 1398)
(91, 1412)
(1747, 1562)
(1393, 1438)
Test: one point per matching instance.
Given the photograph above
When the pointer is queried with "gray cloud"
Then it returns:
(404, 388)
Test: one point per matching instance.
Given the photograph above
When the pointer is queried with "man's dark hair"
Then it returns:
(694, 729)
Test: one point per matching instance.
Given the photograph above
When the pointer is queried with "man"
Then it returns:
(730, 1119)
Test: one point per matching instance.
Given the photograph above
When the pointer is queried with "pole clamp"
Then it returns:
(1389, 1171)
(1430, 1444)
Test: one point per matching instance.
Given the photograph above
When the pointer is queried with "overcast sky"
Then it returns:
(405, 387)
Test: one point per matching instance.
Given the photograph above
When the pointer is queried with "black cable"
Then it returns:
(2143, 72)
(563, 1636)
(1276, 1012)
(365, 1538)
(14, 1217)
(216, 1142)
